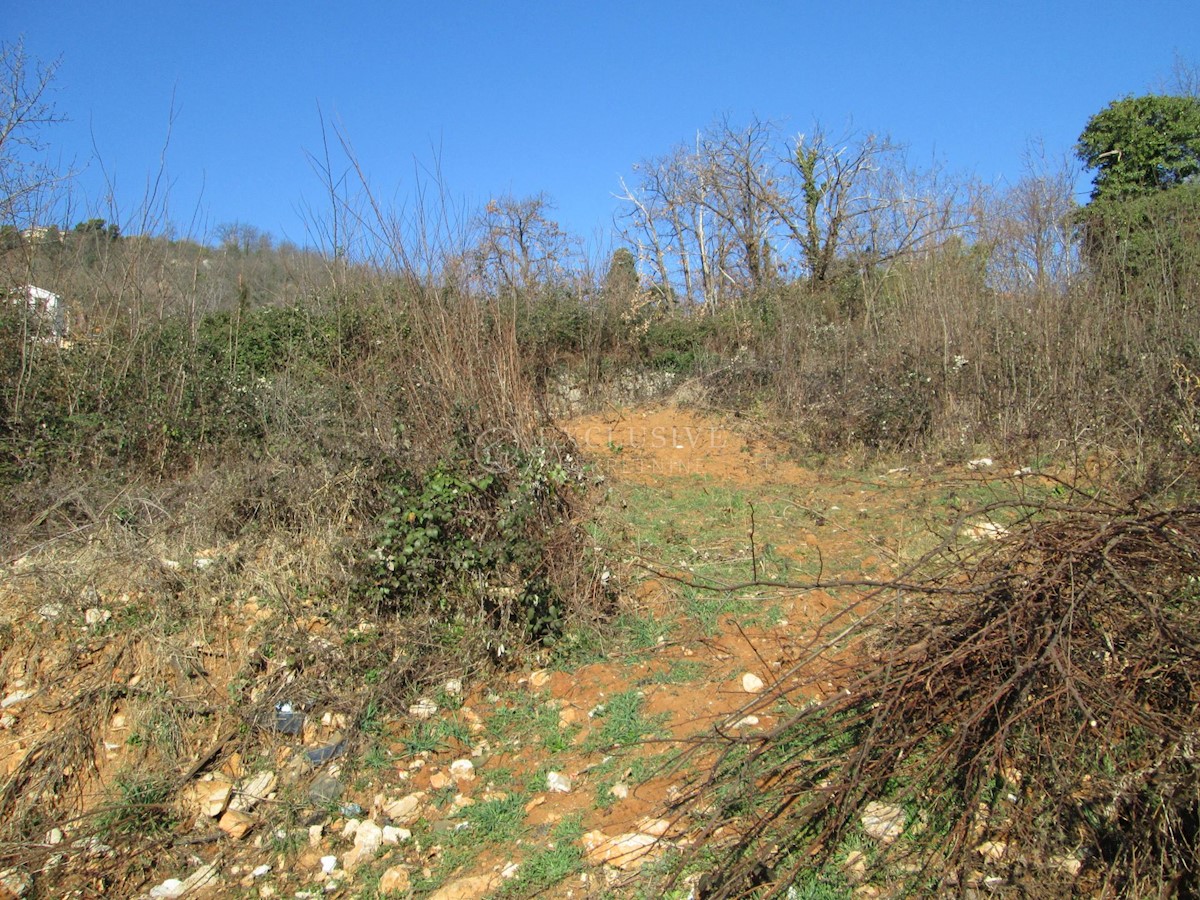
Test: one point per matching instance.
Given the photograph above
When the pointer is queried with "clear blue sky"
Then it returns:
(561, 97)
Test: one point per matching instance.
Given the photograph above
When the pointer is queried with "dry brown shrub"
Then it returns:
(1041, 696)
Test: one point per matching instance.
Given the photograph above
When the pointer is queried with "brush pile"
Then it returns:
(1026, 720)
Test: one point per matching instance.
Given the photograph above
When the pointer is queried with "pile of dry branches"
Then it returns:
(1029, 715)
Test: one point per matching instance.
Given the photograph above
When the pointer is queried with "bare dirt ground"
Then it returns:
(694, 502)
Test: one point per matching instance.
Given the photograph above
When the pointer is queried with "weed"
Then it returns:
(138, 807)
(550, 865)
(622, 723)
(423, 737)
(377, 757)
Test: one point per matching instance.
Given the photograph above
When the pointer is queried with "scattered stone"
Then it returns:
(406, 810)
(984, 462)
(394, 881)
(316, 834)
(253, 791)
(855, 866)
(558, 783)
(328, 864)
(867, 890)
(367, 839)
(350, 827)
(439, 781)
(213, 796)
(625, 851)
(473, 720)
(424, 708)
(462, 770)
(95, 616)
(260, 871)
(453, 687)
(620, 791)
(539, 679)
(883, 822)
(350, 810)
(461, 801)
(172, 887)
(16, 697)
(986, 531)
(992, 850)
(746, 722)
(394, 835)
(200, 882)
(1068, 864)
(54, 836)
(751, 683)
(656, 827)
(235, 823)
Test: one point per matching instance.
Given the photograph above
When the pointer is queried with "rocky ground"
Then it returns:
(555, 780)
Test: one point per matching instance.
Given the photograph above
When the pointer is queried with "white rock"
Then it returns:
(16, 697)
(50, 611)
(453, 687)
(883, 822)
(620, 791)
(625, 851)
(462, 770)
(984, 462)
(328, 864)
(751, 683)
(172, 887)
(368, 837)
(746, 722)
(253, 791)
(423, 709)
(992, 850)
(96, 616)
(1069, 864)
(558, 783)
(406, 810)
(986, 531)
(394, 835)
(260, 871)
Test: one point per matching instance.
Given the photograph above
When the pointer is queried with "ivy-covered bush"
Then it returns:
(472, 547)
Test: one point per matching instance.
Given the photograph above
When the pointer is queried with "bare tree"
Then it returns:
(747, 207)
(1029, 235)
(25, 110)
(521, 247)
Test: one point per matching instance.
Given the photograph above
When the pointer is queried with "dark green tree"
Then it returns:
(1140, 230)
(1139, 145)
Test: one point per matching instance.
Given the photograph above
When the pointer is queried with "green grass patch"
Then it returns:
(623, 723)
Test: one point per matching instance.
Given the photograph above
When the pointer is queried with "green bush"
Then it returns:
(469, 546)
